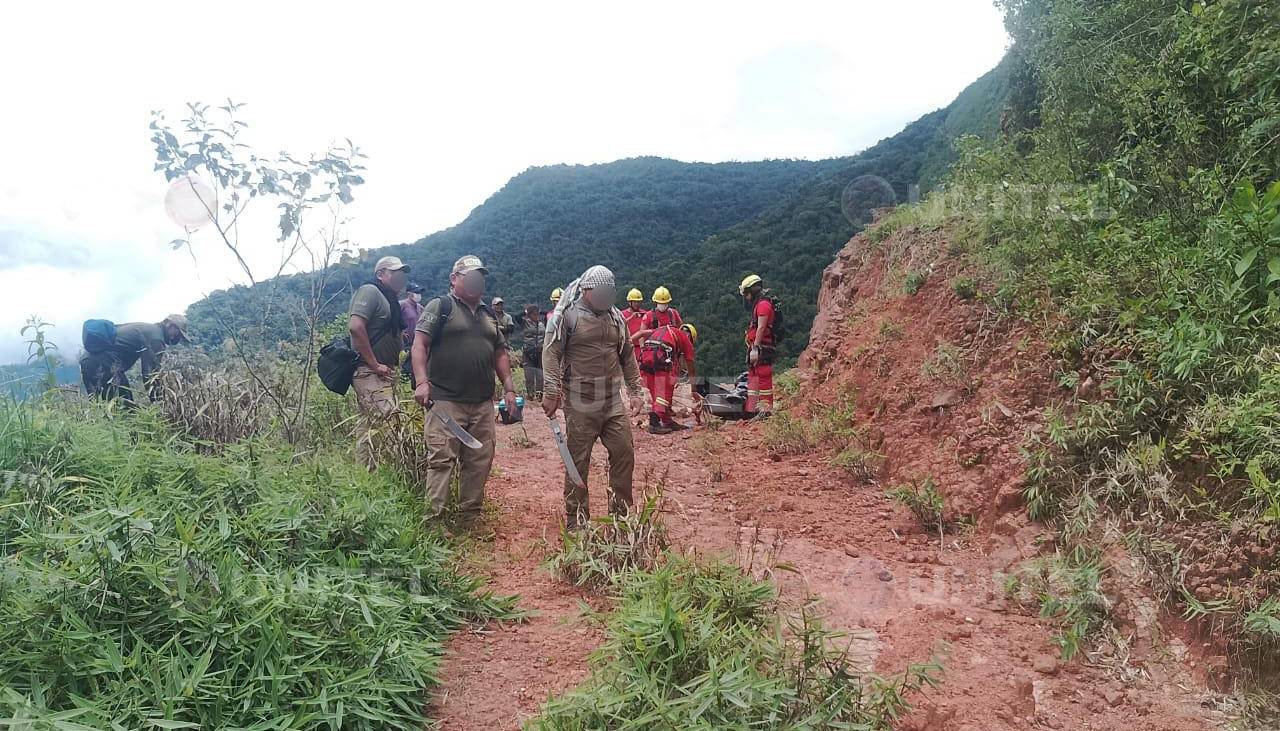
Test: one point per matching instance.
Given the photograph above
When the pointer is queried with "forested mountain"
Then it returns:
(695, 227)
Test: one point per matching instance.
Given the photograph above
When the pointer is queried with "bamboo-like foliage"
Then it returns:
(704, 646)
(146, 585)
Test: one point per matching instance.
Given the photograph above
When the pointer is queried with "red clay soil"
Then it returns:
(901, 596)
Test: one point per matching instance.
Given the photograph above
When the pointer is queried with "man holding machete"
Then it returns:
(586, 360)
(457, 348)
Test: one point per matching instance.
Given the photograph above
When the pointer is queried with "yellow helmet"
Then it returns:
(693, 331)
(750, 281)
(662, 296)
(555, 294)
(635, 295)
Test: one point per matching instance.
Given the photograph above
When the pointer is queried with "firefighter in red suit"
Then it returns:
(761, 348)
(634, 316)
(665, 352)
(661, 314)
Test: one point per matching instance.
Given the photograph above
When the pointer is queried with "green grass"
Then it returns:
(925, 502)
(606, 550)
(704, 646)
(787, 383)
(1067, 588)
(945, 365)
(144, 584)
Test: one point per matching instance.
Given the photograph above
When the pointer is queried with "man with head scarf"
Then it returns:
(587, 359)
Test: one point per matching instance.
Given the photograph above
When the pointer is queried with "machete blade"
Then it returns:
(570, 468)
(453, 427)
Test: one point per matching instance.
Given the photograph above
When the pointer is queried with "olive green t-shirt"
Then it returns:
(460, 366)
(140, 341)
(369, 303)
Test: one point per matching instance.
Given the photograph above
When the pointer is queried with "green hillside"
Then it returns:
(791, 243)
(696, 227)
(544, 227)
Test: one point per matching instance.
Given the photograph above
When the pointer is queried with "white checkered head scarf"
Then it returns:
(596, 276)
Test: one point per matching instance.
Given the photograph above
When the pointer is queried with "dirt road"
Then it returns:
(901, 596)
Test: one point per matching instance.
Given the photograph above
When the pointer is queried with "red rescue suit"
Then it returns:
(655, 319)
(661, 356)
(760, 374)
(635, 323)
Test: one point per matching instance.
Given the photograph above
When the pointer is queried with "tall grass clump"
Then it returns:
(607, 549)
(146, 585)
(705, 646)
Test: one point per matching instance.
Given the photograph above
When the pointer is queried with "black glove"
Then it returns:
(701, 387)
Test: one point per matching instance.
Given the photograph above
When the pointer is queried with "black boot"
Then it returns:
(656, 426)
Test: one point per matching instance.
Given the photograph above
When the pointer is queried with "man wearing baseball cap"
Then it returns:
(104, 366)
(410, 311)
(375, 326)
(458, 350)
(505, 322)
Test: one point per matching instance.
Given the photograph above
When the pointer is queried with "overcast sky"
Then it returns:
(448, 102)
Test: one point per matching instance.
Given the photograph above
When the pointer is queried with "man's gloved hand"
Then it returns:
(701, 387)
(754, 356)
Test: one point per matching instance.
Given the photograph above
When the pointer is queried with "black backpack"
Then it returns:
(337, 363)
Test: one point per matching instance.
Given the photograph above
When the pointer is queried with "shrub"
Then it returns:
(924, 501)
(1068, 589)
(702, 646)
(914, 281)
(945, 365)
(965, 288)
(859, 463)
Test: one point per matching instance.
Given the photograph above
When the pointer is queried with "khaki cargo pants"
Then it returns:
(444, 451)
(609, 422)
(376, 398)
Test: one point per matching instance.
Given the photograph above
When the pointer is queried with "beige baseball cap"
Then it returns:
(390, 262)
(469, 263)
(180, 320)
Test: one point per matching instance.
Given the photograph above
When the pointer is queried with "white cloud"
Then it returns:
(448, 101)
